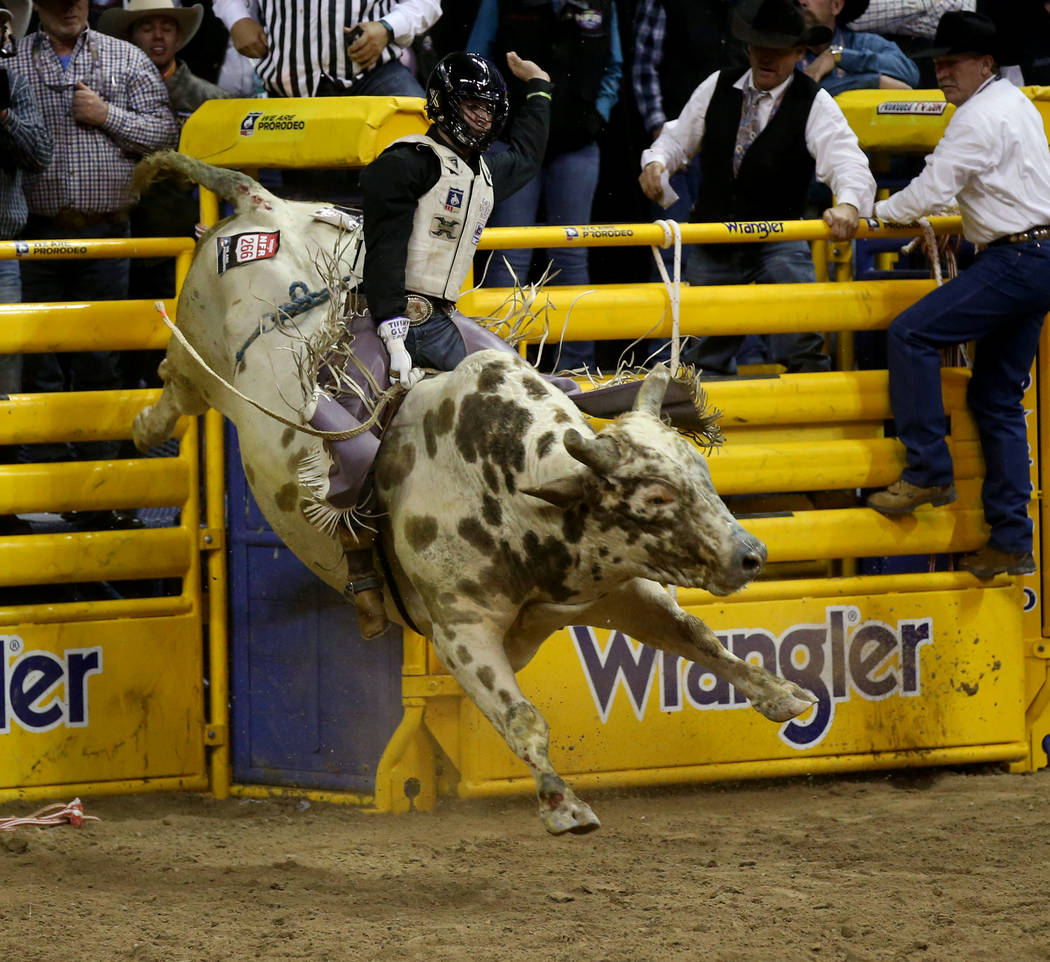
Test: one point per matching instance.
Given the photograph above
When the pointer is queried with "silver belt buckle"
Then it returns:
(418, 310)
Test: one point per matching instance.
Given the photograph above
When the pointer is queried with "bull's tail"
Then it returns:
(231, 185)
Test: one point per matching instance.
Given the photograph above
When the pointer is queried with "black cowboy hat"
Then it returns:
(775, 23)
(960, 31)
(851, 9)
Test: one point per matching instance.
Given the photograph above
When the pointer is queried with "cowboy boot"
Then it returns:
(365, 589)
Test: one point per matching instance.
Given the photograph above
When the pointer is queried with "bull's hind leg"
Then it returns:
(156, 423)
(646, 612)
(483, 672)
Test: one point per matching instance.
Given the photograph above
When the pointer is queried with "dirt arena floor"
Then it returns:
(929, 865)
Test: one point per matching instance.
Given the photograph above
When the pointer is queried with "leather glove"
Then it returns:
(392, 333)
(5, 89)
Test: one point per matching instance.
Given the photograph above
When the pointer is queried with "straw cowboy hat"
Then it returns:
(117, 22)
(17, 13)
(779, 24)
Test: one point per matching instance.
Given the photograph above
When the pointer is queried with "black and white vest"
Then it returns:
(448, 224)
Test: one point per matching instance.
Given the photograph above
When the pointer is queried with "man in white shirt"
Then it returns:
(994, 161)
(762, 133)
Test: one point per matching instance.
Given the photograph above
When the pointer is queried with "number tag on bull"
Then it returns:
(245, 248)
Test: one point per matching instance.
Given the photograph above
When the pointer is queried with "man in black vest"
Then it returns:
(762, 132)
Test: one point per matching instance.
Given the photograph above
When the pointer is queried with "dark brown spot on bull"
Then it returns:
(535, 564)
(491, 429)
(491, 377)
(561, 417)
(603, 552)
(505, 696)
(572, 523)
(464, 655)
(472, 590)
(421, 530)
(287, 498)
(437, 423)
(287, 436)
(491, 511)
(596, 571)
(474, 532)
(487, 677)
(543, 445)
(394, 465)
(535, 387)
(489, 476)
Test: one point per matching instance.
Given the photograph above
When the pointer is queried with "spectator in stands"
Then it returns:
(994, 161)
(167, 209)
(1024, 31)
(911, 25)
(853, 60)
(160, 29)
(761, 133)
(25, 145)
(579, 44)
(105, 105)
(339, 49)
(677, 43)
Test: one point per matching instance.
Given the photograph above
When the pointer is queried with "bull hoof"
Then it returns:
(790, 701)
(140, 433)
(577, 819)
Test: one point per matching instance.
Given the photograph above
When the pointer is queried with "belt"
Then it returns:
(82, 218)
(1042, 232)
(422, 307)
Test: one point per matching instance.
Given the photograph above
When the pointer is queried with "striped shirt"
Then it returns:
(650, 24)
(25, 146)
(907, 18)
(306, 39)
(91, 167)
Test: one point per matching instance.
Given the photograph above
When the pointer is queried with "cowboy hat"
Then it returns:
(851, 9)
(775, 23)
(117, 21)
(962, 31)
(17, 13)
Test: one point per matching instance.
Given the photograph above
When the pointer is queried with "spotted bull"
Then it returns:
(506, 517)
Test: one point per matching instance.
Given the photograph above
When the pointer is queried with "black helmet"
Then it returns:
(466, 76)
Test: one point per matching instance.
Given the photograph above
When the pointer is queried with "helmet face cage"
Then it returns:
(460, 77)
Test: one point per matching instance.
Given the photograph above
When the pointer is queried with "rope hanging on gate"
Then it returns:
(54, 814)
(672, 235)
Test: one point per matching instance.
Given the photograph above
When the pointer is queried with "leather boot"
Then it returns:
(365, 589)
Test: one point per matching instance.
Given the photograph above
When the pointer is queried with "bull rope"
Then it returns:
(672, 235)
(54, 814)
(380, 406)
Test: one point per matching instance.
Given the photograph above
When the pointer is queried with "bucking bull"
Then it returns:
(504, 516)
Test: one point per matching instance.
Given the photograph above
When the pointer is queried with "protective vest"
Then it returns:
(574, 46)
(448, 224)
(776, 171)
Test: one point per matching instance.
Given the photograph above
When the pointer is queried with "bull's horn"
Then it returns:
(651, 396)
(599, 454)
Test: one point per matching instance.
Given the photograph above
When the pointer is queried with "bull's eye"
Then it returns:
(658, 500)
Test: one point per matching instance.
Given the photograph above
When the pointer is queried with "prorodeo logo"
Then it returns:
(934, 107)
(279, 122)
(608, 232)
(57, 248)
(40, 691)
(836, 660)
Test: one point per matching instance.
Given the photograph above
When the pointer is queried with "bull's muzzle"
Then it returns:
(749, 556)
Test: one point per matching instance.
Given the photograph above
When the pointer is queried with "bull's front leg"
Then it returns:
(480, 666)
(156, 423)
(646, 612)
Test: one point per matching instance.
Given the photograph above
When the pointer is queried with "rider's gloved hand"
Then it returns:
(392, 332)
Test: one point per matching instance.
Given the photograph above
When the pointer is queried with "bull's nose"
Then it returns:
(751, 556)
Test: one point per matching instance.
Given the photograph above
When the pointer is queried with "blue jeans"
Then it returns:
(62, 280)
(390, 79)
(783, 262)
(1000, 302)
(566, 183)
(10, 293)
(435, 343)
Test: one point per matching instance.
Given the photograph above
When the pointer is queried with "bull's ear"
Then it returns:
(562, 492)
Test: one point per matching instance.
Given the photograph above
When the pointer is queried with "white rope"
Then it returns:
(672, 235)
(54, 814)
